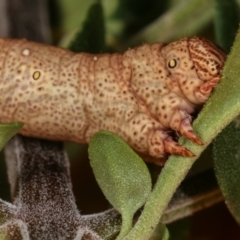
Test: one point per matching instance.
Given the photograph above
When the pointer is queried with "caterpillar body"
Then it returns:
(139, 95)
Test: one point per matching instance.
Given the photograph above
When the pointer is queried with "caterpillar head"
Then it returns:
(207, 58)
(196, 65)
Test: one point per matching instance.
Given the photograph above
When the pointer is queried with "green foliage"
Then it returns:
(121, 174)
(169, 26)
(227, 164)
(91, 38)
(226, 22)
(7, 131)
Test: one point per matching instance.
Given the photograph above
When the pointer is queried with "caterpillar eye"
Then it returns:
(172, 63)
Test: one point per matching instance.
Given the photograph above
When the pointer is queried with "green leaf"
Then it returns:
(226, 22)
(194, 15)
(226, 152)
(121, 174)
(91, 37)
(7, 131)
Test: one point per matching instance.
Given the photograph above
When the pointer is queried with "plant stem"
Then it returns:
(126, 226)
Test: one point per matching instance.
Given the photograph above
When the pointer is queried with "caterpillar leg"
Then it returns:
(173, 147)
(203, 92)
(181, 123)
(149, 137)
(160, 144)
(187, 131)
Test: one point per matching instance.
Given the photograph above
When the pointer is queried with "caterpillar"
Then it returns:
(142, 95)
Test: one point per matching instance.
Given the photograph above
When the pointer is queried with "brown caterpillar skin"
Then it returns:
(139, 95)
